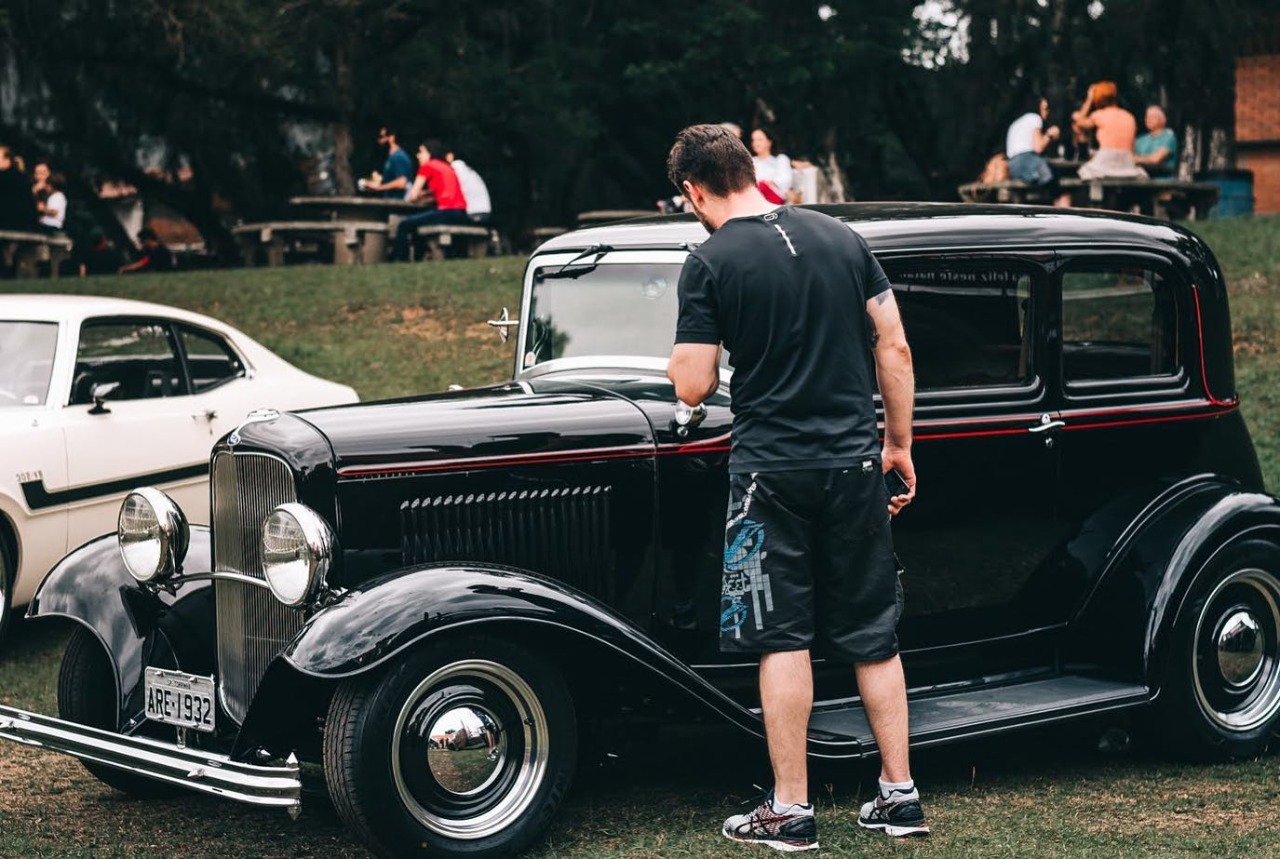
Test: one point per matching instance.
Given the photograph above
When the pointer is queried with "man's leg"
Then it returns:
(884, 696)
(786, 695)
(404, 233)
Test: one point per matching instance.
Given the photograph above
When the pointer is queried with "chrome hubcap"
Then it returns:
(470, 749)
(1240, 648)
(1236, 666)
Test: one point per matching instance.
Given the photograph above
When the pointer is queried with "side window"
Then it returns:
(1118, 322)
(966, 322)
(138, 357)
(209, 359)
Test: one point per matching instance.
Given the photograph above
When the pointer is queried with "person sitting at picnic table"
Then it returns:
(397, 173)
(435, 175)
(1115, 129)
(473, 188)
(51, 203)
(1026, 141)
(773, 172)
(1157, 150)
(155, 258)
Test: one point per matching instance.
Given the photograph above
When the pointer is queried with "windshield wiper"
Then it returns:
(580, 268)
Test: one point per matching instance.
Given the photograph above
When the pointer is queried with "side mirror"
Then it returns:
(100, 392)
(504, 323)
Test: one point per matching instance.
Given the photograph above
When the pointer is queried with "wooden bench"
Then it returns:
(474, 239)
(30, 249)
(1161, 198)
(352, 241)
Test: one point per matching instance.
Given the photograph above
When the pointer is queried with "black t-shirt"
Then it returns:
(786, 294)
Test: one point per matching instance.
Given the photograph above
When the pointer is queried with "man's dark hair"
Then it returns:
(1032, 104)
(711, 156)
(435, 147)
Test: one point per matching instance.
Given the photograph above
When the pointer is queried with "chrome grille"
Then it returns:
(253, 627)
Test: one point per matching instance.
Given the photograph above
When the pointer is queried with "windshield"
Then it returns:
(26, 362)
(609, 309)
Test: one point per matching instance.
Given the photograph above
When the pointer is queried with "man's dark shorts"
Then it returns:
(808, 564)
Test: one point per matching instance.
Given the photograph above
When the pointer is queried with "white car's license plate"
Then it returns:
(179, 699)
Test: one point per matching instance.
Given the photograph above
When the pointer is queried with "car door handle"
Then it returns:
(1046, 423)
(207, 414)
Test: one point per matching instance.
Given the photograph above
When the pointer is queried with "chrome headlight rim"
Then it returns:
(171, 530)
(318, 546)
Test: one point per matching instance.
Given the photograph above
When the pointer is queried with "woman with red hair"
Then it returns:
(1115, 129)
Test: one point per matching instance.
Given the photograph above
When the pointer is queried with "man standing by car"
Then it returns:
(808, 559)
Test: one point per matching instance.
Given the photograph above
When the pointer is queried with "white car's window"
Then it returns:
(26, 362)
(137, 356)
(210, 360)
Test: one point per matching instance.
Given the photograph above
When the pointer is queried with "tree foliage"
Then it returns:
(566, 105)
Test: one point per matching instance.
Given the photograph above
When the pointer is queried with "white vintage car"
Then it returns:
(100, 395)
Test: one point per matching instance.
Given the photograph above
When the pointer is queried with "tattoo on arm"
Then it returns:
(883, 297)
(874, 331)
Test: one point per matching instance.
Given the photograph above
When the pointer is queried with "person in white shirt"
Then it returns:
(773, 172)
(1026, 141)
(53, 211)
(473, 188)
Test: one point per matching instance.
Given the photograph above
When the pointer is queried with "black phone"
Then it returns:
(895, 483)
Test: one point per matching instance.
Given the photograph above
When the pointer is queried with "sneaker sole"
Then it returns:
(784, 846)
(921, 831)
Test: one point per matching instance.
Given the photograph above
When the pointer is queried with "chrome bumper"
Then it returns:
(274, 786)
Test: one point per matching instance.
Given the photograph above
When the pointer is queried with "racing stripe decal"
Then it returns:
(39, 498)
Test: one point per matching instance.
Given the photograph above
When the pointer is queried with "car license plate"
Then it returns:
(179, 699)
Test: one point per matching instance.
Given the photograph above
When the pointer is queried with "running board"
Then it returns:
(842, 731)
(276, 786)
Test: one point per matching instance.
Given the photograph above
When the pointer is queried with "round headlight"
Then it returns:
(297, 547)
(153, 534)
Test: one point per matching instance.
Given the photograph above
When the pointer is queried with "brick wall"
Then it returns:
(1258, 126)
(1258, 98)
(1265, 164)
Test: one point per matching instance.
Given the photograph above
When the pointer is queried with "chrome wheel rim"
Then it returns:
(1236, 663)
(470, 749)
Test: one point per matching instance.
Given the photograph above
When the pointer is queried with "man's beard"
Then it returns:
(701, 216)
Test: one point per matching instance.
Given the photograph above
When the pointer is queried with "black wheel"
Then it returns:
(465, 748)
(1221, 697)
(8, 573)
(87, 695)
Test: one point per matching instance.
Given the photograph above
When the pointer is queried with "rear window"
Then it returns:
(210, 360)
(1118, 322)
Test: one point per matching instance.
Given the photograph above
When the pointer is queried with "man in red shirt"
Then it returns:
(435, 175)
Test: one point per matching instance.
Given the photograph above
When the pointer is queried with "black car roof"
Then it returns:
(920, 226)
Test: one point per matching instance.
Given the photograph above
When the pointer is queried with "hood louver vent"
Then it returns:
(561, 533)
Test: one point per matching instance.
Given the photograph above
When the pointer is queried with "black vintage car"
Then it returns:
(432, 595)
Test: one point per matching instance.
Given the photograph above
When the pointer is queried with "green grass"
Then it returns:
(398, 329)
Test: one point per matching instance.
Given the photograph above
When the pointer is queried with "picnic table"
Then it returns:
(359, 208)
(34, 248)
(1162, 198)
(601, 216)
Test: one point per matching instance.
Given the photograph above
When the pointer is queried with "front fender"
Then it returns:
(135, 625)
(386, 616)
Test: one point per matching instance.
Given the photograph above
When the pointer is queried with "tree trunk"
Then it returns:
(342, 146)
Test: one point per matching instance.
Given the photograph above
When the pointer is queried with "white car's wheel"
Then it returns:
(7, 575)
(463, 749)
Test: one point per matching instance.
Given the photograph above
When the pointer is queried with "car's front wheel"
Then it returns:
(464, 748)
(1221, 696)
(87, 695)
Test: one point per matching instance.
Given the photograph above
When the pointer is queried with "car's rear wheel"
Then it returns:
(7, 575)
(1222, 691)
(87, 696)
(465, 748)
